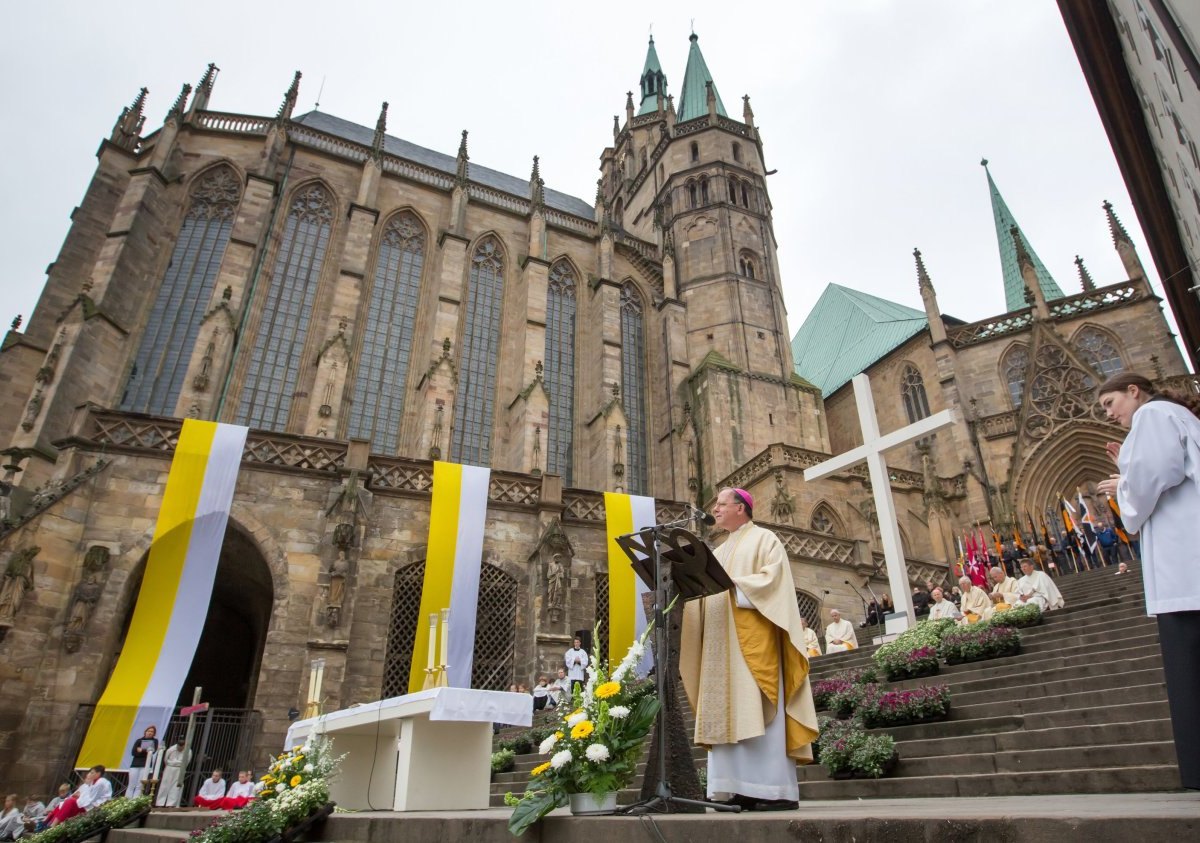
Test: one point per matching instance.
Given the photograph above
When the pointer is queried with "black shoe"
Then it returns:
(774, 805)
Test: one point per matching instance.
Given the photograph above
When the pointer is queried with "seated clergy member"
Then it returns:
(811, 642)
(211, 792)
(839, 634)
(975, 604)
(942, 609)
(1036, 587)
(240, 792)
(1004, 587)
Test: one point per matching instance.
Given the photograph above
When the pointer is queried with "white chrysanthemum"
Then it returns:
(618, 712)
(637, 649)
(280, 788)
(308, 768)
(547, 745)
(597, 752)
(561, 759)
(576, 718)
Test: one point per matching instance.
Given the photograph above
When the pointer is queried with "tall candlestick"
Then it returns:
(431, 656)
(444, 679)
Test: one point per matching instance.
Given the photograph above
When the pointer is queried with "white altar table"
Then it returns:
(428, 751)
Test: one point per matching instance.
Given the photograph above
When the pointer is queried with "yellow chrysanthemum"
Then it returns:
(539, 769)
(582, 729)
(295, 780)
(297, 759)
(558, 735)
(608, 689)
(269, 779)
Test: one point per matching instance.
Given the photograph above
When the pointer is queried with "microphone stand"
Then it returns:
(866, 610)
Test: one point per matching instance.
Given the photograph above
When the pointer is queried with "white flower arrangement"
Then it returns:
(618, 712)
(561, 759)
(597, 752)
(576, 718)
(547, 745)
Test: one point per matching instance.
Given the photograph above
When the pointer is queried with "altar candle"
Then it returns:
(445, 637)
(432, 660)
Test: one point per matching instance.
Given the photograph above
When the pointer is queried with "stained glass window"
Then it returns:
(633, 364)
(388, 335)
(174, 325)
(275, 356)
(559, 368)
(912, 392)
(1016, 363)
(471, 441)
(1099, 351)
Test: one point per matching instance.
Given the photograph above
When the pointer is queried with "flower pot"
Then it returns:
(591, 805)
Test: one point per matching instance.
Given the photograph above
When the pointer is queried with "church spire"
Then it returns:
(1085, 277)
(1124, 243)
(693, 98)
(205, 88)
(380, 132)
(653, 81)
(462, 172)
(177, 107)
(937, 328)
(1119, 234)
(1014, 282)
(289, 100)
(537, 187)
(127, 131)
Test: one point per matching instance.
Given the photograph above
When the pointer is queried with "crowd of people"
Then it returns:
(547, 693)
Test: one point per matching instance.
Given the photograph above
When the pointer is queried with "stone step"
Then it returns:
(1111, 680)
(1008, 721)
(1013, 677)
(1094, 780)
(1154, 692)
(1130, 732)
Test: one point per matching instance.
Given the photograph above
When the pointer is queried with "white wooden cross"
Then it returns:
(871, 450)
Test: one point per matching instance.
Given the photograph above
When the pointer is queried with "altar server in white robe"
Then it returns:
(1158, 491)
(839, 634)
(170, 789)
(812, 644)
(745, 670)
(1037, 587)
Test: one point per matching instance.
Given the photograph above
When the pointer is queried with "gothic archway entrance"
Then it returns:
(229, 654)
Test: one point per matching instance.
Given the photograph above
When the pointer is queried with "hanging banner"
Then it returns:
(453, 559)
(626, 614)
(173, 600)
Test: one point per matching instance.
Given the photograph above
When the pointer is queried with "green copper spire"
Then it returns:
(654, 82)
(693, 99)
(1014, 284)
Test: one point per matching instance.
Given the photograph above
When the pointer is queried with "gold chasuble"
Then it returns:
(730, 658)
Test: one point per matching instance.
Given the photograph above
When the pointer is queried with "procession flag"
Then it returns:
(173, 600)
(625, 514)
(453, 560)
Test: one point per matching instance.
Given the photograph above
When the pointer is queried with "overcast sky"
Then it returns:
(874, 112)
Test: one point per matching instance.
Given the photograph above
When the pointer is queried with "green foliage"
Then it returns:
(503, 761)
(845, 747)
(1029, 614)
(914, 652)
(980, 641)
(114, 813)
(892, 708)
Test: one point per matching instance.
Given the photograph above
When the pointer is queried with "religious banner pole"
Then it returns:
(871, 451)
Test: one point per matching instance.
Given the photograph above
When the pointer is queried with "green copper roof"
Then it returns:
(1014, 284)
(693, 98)
(846, 332)
(653, 81)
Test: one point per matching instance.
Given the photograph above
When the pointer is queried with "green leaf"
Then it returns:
(531, 809)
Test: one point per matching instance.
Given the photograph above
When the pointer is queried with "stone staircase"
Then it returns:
(1082, 709)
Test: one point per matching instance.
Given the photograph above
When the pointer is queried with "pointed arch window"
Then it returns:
(912, 393)
(1016, 364)
(704, 190)
(275, 356)
(178, 311)
(737, 151)
(379, 383)
(745, 195)
(559, 369)
(1100, 351)
(692, 195)
(633, 388)
(695, 152)
(471, 441)
(746, 263)
(733, 190)
(825, 520)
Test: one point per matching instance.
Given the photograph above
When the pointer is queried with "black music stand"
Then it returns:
(693, 573)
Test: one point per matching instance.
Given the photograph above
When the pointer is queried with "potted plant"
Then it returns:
(115, 813)
(914, 653)
(1018, 616)
(901, 708)
(847, 751)
(979, 642)
(503, 761)
(595, 750)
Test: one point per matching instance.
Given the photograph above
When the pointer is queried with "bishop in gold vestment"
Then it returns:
(745, 669)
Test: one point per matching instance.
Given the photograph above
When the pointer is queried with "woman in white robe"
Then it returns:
(1158, 491)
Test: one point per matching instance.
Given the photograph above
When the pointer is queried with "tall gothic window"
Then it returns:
(560, 368)
(1100, 351)
(275, 356)
(388, 336)
(633, 367)
(825, 521)
(1016, 363)
(162, 358)
(472, 439)
(912, 392)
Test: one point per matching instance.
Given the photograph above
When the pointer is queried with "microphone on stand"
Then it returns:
(702, 516)
(866, 611)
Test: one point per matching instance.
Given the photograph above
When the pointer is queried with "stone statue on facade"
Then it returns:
(783, 505)
(85, 597)
(337, 588)
(17, 582)
(556, 575)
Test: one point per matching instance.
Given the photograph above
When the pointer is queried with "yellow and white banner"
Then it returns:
(453, 558)
(175, 593)
(626, 616)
